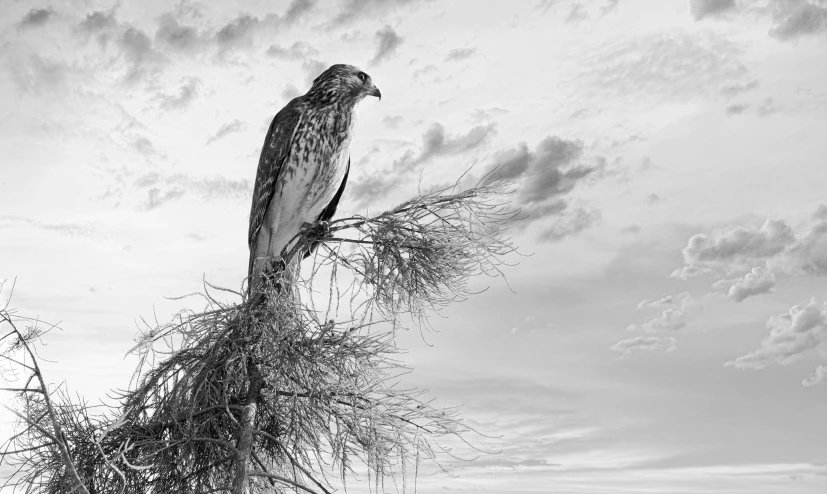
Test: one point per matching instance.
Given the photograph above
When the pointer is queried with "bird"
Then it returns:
(304, 164)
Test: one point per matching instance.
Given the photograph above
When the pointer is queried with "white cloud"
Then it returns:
(819, 376)
(644, 343)
(736, 247)
(756, 255)
(679, 310)
(758, 281)
(802, 328)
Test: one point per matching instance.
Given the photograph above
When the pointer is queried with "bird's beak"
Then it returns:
(374, 91)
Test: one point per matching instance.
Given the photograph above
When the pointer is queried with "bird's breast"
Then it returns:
(317, 164)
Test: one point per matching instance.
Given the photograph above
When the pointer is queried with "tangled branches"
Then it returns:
(271, 394)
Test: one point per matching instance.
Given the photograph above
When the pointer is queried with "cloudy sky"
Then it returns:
(668, 332)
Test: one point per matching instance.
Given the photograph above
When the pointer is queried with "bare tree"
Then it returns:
(273, 394)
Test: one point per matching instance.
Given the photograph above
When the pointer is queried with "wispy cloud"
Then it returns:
(392, 121)
(544, 177)
(240, 32)
(458, 54)
(802, 328)
(792, 19)
(669, 64)
(162, 189)
(644, 344)
(819, 376)
(355, 10)
(436, 142)
(71, 229)
(297, 51)
(183, 98)
(227, 129)
(680, 309)
(387, 41)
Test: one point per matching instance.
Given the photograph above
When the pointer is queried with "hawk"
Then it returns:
(304, 163)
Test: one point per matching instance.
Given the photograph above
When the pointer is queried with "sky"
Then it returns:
(664, 331)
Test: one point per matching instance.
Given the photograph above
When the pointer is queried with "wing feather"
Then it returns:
(274, 155)
(330, 210)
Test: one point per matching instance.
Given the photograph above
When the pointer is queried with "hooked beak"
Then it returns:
(374, 91)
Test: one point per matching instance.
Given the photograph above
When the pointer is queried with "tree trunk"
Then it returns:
(241, 482)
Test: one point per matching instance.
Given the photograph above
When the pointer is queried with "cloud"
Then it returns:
(661, 302)
(653, 199)
(802, 328)
(553, 169)
(424, 70)
(392, 121)
(578, 10)
(458, 54)
(568, 222)
(238, 32)
(436, 142)
(36, 17)
(798, 19)
(296, 10)
(757, 282)
(387, 41)
(703, 8)
(178, 37)
(312, 69)
(736, 109)
(730, 90)
(756, 255)
(679, 310)
(226, 129)
(644, 344)
(819, 376)
(145, 147)
(670, 64)
(820, 213)
(138, 52)
(738, 247)
(185, 96)
(98, 21)
(297, 51)
(487, 114)
(163, 189)
(354, 10)
(290, 91)
(38, 75)
(70, 229)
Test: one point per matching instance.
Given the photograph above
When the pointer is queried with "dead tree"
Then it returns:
(274, 394)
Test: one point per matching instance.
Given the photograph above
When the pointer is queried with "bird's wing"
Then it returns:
(329, 210)
(274, 155)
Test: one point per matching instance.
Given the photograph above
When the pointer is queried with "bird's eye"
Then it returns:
(362, 76)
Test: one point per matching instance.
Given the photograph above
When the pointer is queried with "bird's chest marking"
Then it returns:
(317, 163)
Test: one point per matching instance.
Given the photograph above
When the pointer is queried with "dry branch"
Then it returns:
(272, 394)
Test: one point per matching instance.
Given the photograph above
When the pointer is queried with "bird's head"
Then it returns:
(343, 83)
